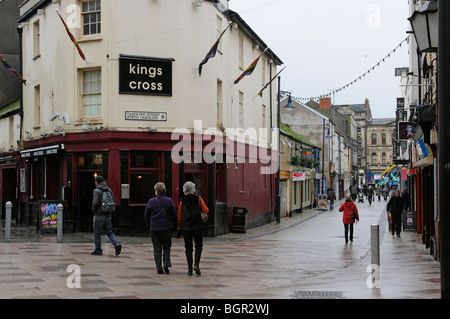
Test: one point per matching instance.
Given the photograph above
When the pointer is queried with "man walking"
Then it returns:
(395, 208)
(102, 216)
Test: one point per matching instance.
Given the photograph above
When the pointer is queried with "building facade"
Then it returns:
(10, 102)
(380, 138)
(137, 111)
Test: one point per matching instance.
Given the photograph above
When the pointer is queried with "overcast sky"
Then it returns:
(326, 44)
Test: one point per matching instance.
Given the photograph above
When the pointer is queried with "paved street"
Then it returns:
(303, 257)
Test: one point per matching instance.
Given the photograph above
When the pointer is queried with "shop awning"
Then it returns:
(42, 151)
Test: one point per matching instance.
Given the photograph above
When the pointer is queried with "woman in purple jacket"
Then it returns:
(161, 216)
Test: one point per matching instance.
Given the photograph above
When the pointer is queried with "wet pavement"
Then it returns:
(302, 257)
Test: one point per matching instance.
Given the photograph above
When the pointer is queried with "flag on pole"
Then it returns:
(250, 69)
(265, 86)
(11, 69)
(72, 38)
(212, 52)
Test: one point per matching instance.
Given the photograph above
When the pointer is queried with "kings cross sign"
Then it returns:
(145, 75)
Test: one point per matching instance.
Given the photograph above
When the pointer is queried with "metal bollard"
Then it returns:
(8, 207)
(59, 226)
(375, 249)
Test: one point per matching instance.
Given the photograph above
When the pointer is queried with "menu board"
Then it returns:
(48, 216)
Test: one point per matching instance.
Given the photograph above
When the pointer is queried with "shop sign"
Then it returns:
(48, 216)
(285, 174)
(145, 75)
(42, 151)
(298, 176)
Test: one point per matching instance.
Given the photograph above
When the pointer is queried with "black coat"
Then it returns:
(395, 205)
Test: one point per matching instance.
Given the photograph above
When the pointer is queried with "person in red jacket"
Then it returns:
(349, 216)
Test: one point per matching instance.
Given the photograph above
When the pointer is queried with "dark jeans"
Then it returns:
(103, 225)
(162, 242)
(396, 226)
(346, 227)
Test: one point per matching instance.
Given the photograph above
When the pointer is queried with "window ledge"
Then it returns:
(90, 38)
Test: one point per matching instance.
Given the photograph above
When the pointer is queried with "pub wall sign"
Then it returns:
(145, 75)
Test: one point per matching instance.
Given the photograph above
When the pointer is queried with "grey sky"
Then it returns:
(326, 44)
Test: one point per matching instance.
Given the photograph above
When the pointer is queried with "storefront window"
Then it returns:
(144, 174)
(90, 161)
(142, 186)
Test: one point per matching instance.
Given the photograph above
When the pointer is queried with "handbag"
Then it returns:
(205, 217)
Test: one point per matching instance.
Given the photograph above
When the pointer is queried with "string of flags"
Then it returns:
(73, 38)
(357, 79)
(11, 69)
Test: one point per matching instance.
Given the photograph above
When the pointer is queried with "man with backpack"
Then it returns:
(103, 204)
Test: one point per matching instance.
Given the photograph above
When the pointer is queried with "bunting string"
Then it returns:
(316, 98)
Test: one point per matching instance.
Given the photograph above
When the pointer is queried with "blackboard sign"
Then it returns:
(145, 75)
(48, 216)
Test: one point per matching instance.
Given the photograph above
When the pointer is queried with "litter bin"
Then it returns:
(409, 220)
(239, 221)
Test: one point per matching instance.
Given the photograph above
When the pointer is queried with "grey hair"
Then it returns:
(160, 188)
(189, 188)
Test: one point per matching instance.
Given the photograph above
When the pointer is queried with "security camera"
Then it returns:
(66, 118)
(53, 117)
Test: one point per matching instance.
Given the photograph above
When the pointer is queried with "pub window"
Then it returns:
(241, 53)
(91, 17)
(92, 93)
(36, 39)
(241, 110)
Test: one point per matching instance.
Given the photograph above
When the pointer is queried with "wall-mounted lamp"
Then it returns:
(424, 23)
(197, 3)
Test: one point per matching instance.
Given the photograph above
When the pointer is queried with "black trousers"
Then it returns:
(191, 237)
(396, 226)
(347, 227)
(162, 242)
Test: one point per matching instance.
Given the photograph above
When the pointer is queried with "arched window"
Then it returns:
(383, 159)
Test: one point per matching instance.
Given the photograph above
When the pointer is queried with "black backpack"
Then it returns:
(108, 205)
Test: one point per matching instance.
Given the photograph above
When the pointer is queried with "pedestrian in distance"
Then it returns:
(370, 194)
(103, 204)
(353, 192)
(350, 214)
(378, 191)
(190, 225)
(395, 208)
(331, 195)
(406, 199)
(161, 216)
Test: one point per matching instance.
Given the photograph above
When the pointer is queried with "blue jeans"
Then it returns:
(103, 224)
